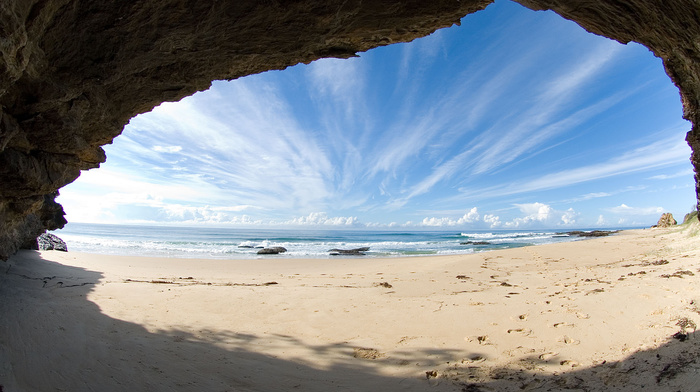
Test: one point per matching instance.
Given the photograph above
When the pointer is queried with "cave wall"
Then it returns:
(73, 72)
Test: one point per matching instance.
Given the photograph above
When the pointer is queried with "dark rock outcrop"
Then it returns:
(48, 241)
(349, 252)
(73, 72)
(593, 233)
(275, 250)
(666, 220)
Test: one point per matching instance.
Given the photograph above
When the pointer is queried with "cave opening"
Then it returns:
(519, 117)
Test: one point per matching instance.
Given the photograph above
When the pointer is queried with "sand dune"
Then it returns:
(600, 314)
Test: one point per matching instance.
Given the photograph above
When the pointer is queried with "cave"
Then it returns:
(75, 72)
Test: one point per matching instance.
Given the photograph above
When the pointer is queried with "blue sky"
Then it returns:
(515, 119)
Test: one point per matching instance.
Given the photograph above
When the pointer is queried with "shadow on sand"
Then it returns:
(53, 339)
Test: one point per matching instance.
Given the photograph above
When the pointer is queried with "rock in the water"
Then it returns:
(594, 233)
(352, 252)
(666, 220)
(272, 251)
(48, 241)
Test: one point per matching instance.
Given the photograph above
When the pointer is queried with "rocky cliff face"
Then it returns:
(73, 72)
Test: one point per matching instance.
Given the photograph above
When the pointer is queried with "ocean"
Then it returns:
(237, 243)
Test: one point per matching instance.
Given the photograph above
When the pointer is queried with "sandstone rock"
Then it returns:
(73, 72)
(666, 220)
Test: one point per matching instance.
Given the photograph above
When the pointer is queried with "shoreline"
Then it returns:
(598, 314)
(222, 244)
(287, 257)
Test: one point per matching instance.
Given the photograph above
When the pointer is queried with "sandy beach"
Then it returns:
(596, 315)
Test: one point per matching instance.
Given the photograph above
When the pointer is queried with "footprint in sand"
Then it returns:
(547, 356)
(521, 331)
(474, 358)
(582, 315)
(569, 340)
(562, 324)
(367, 353)
(569, 362)
(405, 339)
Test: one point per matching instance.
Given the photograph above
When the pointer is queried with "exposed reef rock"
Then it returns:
(349, 252)
(73, 72)
(594, 233)
(275, 250)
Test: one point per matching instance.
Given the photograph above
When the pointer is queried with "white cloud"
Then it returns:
(167, 149)
(493, 221)
(340, 85)
(670, 151)
(536, 211)
(569, 216)
(546, 116)
(322, 219)
(339, 78)
(594, 195)
(470, 216)
(540, 119)
(438, 222)
(685, 173)
(537, 214)
(624, 209)
(542, 215)
(562, 86)
(601, 221)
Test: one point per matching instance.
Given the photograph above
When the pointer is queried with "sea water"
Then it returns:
(238, 243)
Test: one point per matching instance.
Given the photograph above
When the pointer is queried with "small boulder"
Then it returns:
(48, 241)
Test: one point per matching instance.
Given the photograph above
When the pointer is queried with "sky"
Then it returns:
(514, 120)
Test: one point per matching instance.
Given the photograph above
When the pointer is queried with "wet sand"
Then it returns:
(600, 314)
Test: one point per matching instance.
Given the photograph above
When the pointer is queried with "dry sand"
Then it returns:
(592, 315)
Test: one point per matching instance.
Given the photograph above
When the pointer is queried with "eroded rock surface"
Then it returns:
(74, 72)
(48, 241)
(666, 220)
